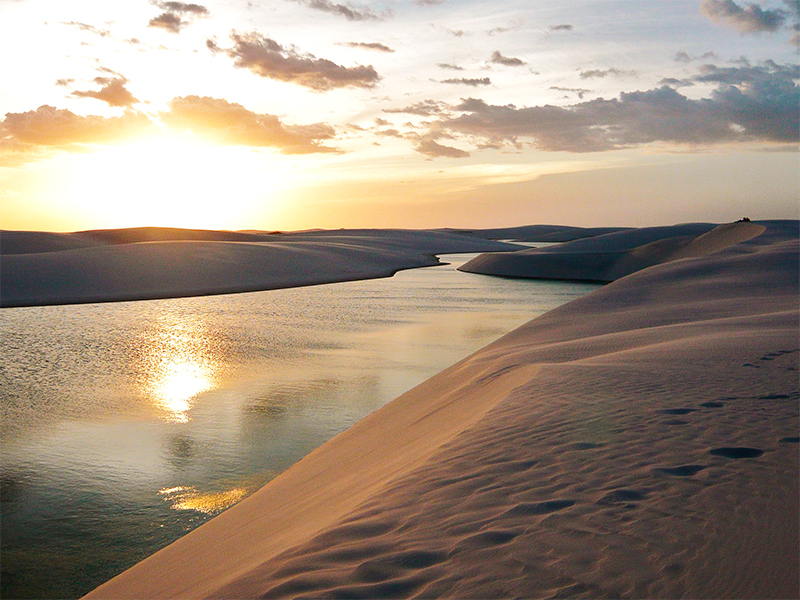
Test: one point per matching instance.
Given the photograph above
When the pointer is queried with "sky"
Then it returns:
(296, 114)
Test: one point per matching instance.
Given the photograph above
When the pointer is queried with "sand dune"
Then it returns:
(639, 442)
(144, 263)
(608, 257)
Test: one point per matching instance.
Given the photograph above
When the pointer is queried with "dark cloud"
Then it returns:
(433, 149)
(348, 11)
(267, 58)
(744, 19)
(227, 123)
(499, 59)
(172, 18)
(597, 73)
(469, 82)
(112, 92)
(369, 46)
(450, 67)
(579, 91)
(682, 57)
(759, 104)
(50, 127)
(672, 82)
(562, 27)
(426, 108)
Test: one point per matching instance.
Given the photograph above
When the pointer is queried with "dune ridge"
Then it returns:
(640, 441)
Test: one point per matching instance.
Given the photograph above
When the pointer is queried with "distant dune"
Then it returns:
(610, 256)
(641, 441)
(38, 268)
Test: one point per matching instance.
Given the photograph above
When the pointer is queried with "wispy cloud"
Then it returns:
(449, 67)
(468, 81)
(507, 61)
(267, 58)
(581, 92)
(599, 73)
(88, 28)
(348, 11)
(562, 27)
(425, 108)
(377, 46)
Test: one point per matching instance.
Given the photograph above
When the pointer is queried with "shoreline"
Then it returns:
(614, 432)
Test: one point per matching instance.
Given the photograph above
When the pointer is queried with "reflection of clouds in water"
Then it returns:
(188, 498)
(176, 362)
(180, 450)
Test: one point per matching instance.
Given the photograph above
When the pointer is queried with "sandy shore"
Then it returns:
(40, 268)
(639, 442)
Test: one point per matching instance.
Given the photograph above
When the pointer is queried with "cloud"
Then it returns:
(470, 82)
(89, 28)
(433, 149)
(499, 59)
(267, 58)
(756, 104)
(579, 91)
(112, 93)
(426, 108)
(226, 123)
(449, 66)
(562, 27)
(172, 18)
(513, 25)
(50, 127)
(429, 2)
(348, 11)
(377, 46)
(183, 8)
(748, 19)
(596, 73)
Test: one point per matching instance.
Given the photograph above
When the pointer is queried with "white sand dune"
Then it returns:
(146, 263)
(608, 257)
(641, 441)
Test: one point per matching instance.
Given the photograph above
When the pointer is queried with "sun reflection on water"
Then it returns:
(188, 498)
(177, 363)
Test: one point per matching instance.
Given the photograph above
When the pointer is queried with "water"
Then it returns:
(126, 425)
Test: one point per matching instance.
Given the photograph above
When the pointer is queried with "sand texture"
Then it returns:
(38, 268)
(608, 257)
(641, 441)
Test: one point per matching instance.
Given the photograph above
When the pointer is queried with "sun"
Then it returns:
(172, 181)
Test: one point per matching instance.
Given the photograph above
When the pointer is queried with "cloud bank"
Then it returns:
(267, 58)
(750, 104)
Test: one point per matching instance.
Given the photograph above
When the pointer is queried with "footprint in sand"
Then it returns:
(678, 411)
(682, 471)
(737, 452)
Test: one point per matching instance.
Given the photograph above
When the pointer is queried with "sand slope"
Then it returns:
(145, 263)
(639, 442)
(611, 256)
